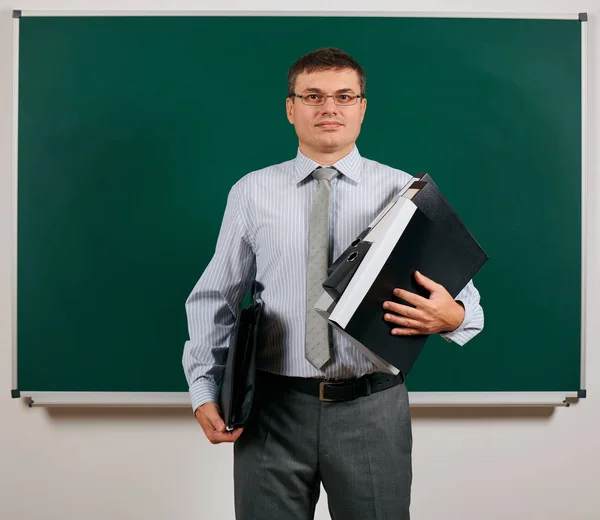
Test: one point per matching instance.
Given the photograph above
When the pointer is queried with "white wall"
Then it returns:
(102, 464)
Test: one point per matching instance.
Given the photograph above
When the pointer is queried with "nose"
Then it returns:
(329, 107)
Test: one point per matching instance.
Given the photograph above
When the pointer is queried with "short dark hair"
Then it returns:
(325, 59)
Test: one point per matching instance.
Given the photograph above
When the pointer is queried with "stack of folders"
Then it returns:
(417, 231)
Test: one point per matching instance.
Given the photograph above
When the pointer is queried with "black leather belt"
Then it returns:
(332, 390)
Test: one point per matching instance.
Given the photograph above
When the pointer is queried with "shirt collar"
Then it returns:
(349, 166)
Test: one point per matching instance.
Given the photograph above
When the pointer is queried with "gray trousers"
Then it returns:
(360, 450)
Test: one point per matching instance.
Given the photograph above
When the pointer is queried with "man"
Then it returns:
(359, 446)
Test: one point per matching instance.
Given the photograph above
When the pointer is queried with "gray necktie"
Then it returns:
(317, 333)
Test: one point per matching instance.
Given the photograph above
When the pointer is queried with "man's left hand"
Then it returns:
(438, 313)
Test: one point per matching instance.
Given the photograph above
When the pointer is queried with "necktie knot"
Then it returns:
(325, 174)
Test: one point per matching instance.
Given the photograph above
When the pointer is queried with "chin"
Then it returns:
(333, 142)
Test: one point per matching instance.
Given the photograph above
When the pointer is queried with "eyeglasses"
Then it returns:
(316, 99)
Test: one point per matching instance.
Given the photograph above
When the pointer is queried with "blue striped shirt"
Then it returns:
(265, 232)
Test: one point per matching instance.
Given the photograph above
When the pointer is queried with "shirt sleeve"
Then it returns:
(213, 305)
(473, 321)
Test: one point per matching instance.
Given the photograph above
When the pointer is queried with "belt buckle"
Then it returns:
(322, 390)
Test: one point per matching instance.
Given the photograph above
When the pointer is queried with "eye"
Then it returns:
(345, 99)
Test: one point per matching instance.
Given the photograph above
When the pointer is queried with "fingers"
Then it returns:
(428, 283)
(415, 299)
(409, 326)
(402, 320)
(404, 310)
(405, 332)
(218, 437)
(209, 418)
(428, 316)
(406, 317)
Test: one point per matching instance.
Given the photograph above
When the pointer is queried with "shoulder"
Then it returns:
(268, 177)
(382, 172)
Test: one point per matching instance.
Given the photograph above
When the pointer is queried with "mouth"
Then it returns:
(329, 124)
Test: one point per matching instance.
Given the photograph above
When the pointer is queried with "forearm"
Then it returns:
(213, 306)
(211, 316)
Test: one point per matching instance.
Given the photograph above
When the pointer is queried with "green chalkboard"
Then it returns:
(131, 130)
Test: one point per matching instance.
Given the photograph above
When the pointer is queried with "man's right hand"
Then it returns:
(209, 417)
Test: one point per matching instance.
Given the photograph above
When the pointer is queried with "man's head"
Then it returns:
(326, 126)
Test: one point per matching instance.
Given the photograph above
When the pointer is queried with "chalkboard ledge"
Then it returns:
(417, 399)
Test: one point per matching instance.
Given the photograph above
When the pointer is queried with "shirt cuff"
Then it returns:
(455, 335)
(203, 391)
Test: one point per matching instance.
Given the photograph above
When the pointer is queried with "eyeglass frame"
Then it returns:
(302, 96)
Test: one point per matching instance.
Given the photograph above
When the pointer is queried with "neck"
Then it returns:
(324, 157)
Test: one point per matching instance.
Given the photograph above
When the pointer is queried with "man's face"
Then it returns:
(328, 128)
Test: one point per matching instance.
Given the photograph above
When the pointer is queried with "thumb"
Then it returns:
(428, 283)
(214, 418)
(218, 424)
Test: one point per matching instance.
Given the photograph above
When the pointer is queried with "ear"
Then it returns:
(363, 108)
(289, 109)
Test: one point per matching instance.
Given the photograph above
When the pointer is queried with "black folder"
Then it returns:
(437, 244)
(239, 379)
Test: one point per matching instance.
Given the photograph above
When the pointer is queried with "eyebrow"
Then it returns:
(312, 89)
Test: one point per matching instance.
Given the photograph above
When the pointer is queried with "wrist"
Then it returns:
(460, 315)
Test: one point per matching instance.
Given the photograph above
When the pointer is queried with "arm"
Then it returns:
(213, 304)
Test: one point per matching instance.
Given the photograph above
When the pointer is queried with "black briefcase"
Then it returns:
(239, 379)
